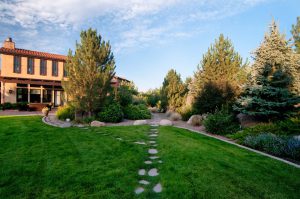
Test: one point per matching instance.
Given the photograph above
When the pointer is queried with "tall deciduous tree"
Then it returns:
(90, 70)
(296, 34)
(173, 91)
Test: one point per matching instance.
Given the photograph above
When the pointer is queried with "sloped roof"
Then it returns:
(31, 53)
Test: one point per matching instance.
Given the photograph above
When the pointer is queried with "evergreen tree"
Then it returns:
(220, 63)
(276, 51)
(270, 98)
(173, 91)
(90, 70)
(296, 34)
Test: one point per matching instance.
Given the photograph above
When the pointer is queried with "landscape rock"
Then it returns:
(175, 116)
(139, 122)
(195, 120)
(96, 123)
(165, 122)
(153, 172)
(157, 188)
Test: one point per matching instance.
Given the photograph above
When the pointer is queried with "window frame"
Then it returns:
(54, 63)
(28, 65)
(45, 67)
(19, 64)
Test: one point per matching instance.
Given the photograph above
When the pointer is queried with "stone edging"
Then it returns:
(244, 147)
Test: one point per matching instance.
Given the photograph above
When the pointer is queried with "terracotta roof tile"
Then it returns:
(23, 52)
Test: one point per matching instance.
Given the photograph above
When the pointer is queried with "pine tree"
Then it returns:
(90, 70)
(276, 51)
(270, 98)
(296, 35)
(173, 91)
(221, 63)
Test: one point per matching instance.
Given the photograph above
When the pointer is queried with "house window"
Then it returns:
(54, 68)
(43, 67)
(35, 95)
(17, 64)
(30, 66)
(22, 94)
(65, 70)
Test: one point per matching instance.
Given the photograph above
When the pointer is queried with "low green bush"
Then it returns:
(7, 105)
(286, 127)
(186, 112)
(282, 146)
(136, 112)
(88, 120)
(22, 106)
(221, 123)
(111, 113)
(64, 112)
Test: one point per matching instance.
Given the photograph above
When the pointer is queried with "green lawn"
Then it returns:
(40, 161)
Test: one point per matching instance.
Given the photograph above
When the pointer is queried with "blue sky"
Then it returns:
(148, 37)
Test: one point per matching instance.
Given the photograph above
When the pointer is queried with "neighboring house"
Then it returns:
(32, 76)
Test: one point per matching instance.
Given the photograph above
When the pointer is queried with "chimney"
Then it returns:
(8, 43)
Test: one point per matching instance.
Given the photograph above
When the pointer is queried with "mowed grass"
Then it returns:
(40, 161)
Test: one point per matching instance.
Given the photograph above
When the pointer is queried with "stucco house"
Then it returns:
(32, 76)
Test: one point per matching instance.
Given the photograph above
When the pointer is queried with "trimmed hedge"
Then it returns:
(111, 113)
(136, 112)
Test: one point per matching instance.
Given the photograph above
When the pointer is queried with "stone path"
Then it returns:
(149, 174)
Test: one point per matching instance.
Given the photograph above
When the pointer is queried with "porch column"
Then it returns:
(42, 94)
(3, 93)
(28, 93)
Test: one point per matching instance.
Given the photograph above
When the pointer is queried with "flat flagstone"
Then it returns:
(139, 190)
(153, 157)
(153, 135)
(153, 172)
(154, 145)
(142, 172)
(119, 139)
(157, 188)
(152, 142)
(144, 182)
(148, 162)
(141, 143)
(160, 161)
(152, 151)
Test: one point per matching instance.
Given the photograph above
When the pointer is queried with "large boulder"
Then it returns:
(97, 123)
(195, 120)
(165, 122)
(139, 122)
(169, 113)
(175, 116)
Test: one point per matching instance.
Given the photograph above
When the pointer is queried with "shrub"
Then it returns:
(136, 112)
(277, 145)
(111, 113)
(186, 112)
(64, 112)
(88, 120)
(22, 106)
(125, 96)
(287, 127)
(7, 105)
(221, 123)
(175, 116)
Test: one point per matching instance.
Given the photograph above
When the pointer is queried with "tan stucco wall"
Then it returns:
(6, 96)
(8, 67)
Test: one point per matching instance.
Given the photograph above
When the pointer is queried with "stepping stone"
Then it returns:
(119, 139)
(153, 157)
(144, 182)
(153, 172)
(157, 188)
(153, 135)
(139, 190)
(152, 151)
(148, 162)
(154, 145)
(152, 142)
(160, 161)
(142, 172)
(141, 143)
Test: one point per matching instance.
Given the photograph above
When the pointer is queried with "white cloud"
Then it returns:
(132, 23)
